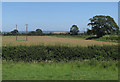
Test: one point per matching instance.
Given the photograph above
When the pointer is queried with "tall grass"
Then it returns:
(72, 70)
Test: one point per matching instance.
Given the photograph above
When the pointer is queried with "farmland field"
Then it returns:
(50, 40)
(58, 58)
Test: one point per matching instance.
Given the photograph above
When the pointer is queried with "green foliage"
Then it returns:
(8, 34)
(74, 30)
(102, 25)
(89, 31)
(37, 32)
(14, 32)
(32, 33)
(111, 37)
(59, 53)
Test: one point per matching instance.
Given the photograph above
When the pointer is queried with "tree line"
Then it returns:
(100, 25)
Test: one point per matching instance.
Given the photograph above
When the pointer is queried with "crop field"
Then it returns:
(58, 58)
(50, 40)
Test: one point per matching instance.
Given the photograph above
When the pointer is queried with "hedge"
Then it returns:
(59, 53)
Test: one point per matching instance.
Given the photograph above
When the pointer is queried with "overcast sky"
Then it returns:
(54, 16)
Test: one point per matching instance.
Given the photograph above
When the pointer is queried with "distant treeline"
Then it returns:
(100, 25)
(38, 32)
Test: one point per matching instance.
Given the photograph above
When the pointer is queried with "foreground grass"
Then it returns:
(74, 70)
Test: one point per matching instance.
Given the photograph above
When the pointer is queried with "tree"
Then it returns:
(89, 31)
(102, 25)
(15, 31)
(32, 33)
(38, 31)
(74, 30)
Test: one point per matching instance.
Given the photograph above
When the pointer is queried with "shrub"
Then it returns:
(110, 37)
(59, 53)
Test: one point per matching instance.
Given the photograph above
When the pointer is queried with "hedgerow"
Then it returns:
(59, 53)
(110, 37)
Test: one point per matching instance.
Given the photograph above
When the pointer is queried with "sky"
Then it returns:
(54, 16)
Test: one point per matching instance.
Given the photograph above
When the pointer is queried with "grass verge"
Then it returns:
(72, 70)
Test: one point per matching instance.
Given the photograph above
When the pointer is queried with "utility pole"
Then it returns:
(26, 31)
(16, 33)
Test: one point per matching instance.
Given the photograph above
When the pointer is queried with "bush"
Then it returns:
(59, 53)
(110, 37)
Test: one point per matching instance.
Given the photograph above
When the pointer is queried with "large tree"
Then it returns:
(15, 32)
(102, 25)
(38, 31)
(74, 30)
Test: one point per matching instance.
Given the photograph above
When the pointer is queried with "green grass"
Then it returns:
(104, 38)
(115, 41)
(73, 70)
(109, 38)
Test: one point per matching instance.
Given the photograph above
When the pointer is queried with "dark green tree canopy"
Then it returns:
(89, 31)
(74, 30)
(102, 25)
(38, 31)
(15, 31)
